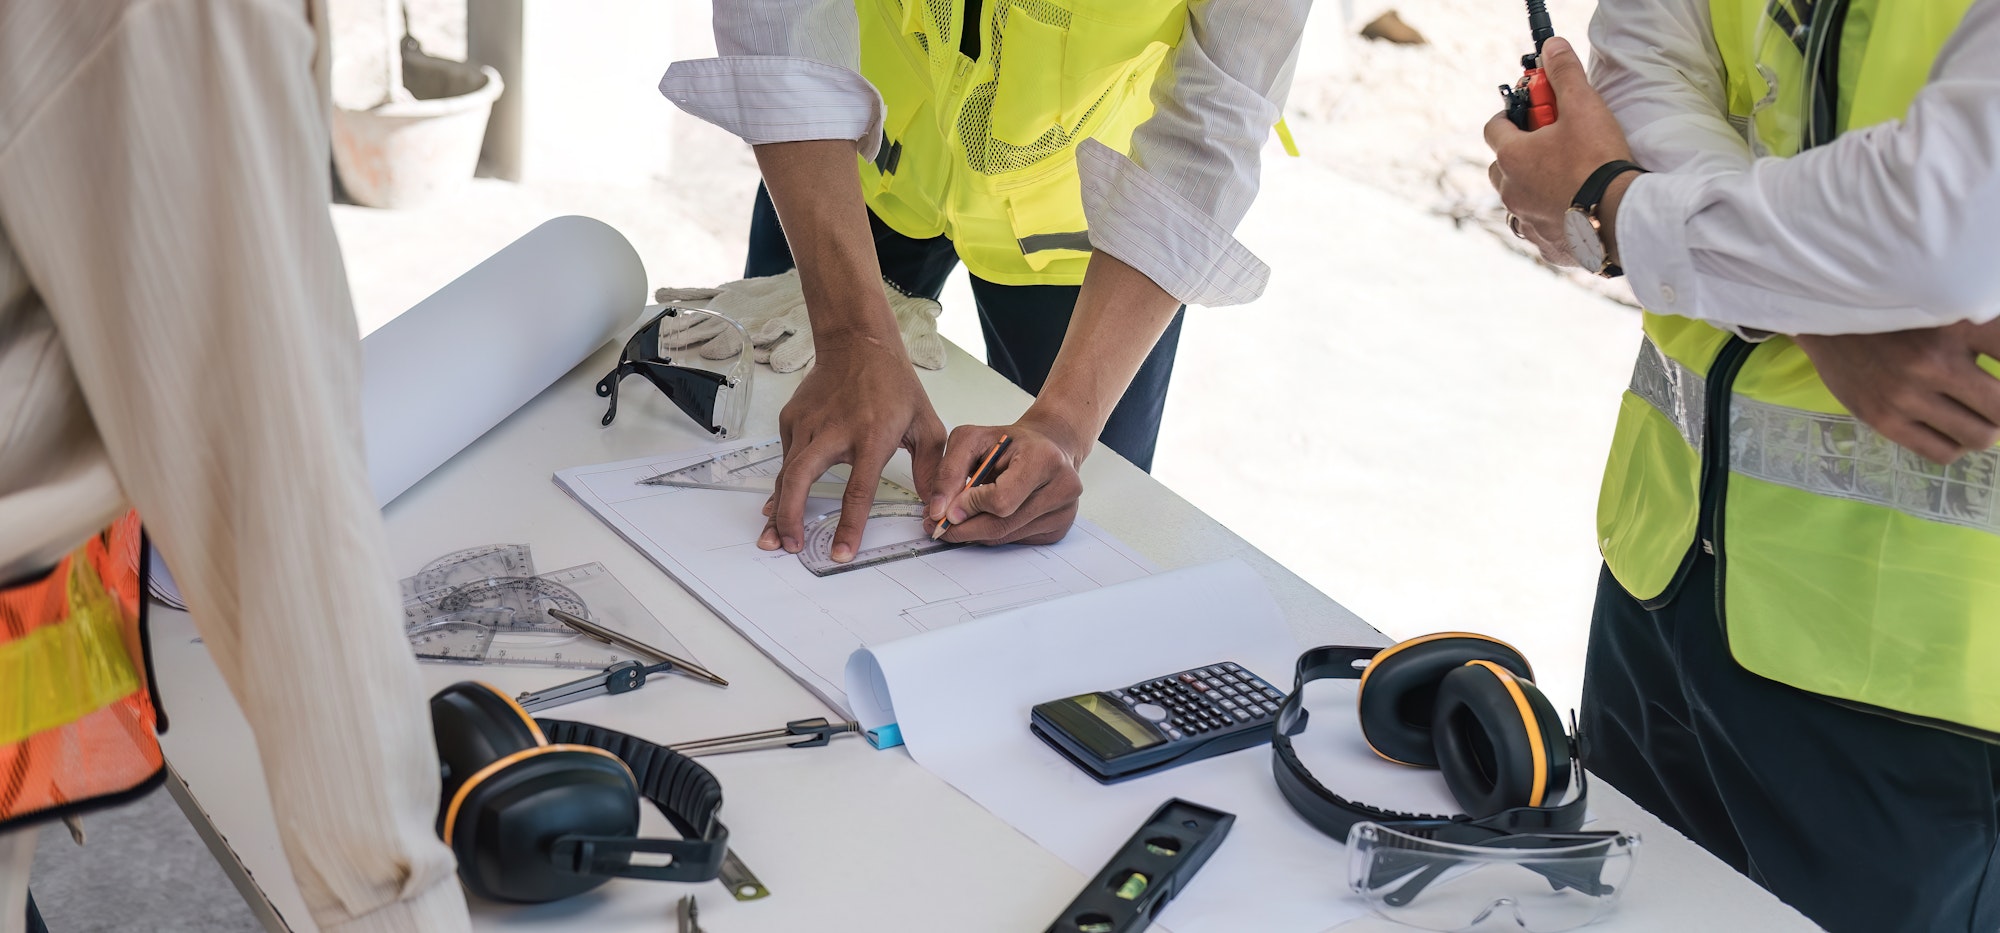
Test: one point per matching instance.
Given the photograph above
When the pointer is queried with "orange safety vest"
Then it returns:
(77, 721)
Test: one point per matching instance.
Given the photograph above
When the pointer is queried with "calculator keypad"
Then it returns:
(1206, 699)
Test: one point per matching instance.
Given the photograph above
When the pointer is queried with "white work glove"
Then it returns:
(772, 311)
(748, 302)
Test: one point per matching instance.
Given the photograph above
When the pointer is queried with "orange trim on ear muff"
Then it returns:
(496, 766)
(1384, 654)
(1528, 720)
(540, 739)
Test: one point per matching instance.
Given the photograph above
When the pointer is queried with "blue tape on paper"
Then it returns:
(888, 736)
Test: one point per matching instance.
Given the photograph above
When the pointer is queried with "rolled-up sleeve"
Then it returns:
(1885, 228)
(1171, 209)
(788, 71)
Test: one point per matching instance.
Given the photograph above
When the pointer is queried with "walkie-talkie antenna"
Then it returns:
(1539, 27)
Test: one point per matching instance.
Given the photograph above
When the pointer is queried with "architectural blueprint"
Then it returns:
(706, 540)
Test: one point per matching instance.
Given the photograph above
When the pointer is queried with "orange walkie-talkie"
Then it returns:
(1531, 102)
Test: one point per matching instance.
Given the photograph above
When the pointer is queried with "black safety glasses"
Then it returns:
(715, 401)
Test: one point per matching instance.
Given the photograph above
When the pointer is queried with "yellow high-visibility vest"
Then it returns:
(1848, 566)
(984, 151)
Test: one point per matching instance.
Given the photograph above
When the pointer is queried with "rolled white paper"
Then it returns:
(446, 371)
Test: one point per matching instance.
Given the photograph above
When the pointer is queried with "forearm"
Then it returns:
(1120, 314)
(817, 192)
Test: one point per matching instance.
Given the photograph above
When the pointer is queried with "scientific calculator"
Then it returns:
(1117, 735)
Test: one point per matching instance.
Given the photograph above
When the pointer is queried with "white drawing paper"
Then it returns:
(962, 699)
(706, 540)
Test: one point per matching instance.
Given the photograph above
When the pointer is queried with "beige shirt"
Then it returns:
(176, 335)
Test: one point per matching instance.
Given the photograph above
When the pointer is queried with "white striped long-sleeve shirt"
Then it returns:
(176, 336)
(789, 71)
(1885, 228)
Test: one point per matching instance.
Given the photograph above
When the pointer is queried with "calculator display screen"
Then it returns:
(1111, 714)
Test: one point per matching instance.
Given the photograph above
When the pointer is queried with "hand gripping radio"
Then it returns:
(1531, 102)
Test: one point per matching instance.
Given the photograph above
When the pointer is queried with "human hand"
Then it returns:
(858, 405)
(1034, 498)
(1923, 389)
(1538, 172)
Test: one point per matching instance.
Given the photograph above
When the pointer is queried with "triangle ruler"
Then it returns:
(755, 469)
(896, 530)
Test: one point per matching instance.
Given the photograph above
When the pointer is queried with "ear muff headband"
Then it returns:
(501, 764)
(1401, 646)
(1334, 815)
(678, 786)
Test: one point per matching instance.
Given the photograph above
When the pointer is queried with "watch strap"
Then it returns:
(1592, 192)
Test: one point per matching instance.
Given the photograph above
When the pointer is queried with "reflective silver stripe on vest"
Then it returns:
(1838, 456)
(1674, 390)
(1035, 243)
(1825, 454)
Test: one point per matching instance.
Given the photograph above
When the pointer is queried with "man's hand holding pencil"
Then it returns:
(1011, 484)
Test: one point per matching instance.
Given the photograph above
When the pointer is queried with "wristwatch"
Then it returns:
(1581, 227)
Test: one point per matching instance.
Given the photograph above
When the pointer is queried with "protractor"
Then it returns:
(473, 564)
(513, 602)
(896, 530)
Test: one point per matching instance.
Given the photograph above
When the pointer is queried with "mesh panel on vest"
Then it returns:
(102, 743)
(983, 153)
(941, 12)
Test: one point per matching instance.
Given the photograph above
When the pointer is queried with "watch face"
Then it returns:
(1584, 243)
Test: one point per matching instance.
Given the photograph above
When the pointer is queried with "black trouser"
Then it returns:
(1023, 324)
(35, 924)
(1863, 823)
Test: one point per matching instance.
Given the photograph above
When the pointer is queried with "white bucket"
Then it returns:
(406, 152)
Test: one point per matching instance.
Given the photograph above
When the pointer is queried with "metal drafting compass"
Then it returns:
(623, 677)
(899, 527)
(799, 733)
(755, 469)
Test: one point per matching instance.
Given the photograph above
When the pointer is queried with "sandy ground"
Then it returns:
(1415, 415)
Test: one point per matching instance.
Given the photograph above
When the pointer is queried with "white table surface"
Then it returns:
(847, 838)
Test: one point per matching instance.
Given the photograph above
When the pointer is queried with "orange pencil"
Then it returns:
(979, 477)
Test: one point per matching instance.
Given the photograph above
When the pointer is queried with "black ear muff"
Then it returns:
(504, 820)
(476, 725)
(1500, 743)
(1399, 690)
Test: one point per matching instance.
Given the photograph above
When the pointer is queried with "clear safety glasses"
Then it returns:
(715, 393)
(1447, 875)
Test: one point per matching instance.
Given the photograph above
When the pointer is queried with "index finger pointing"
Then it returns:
(855, 504)
(794, 485)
